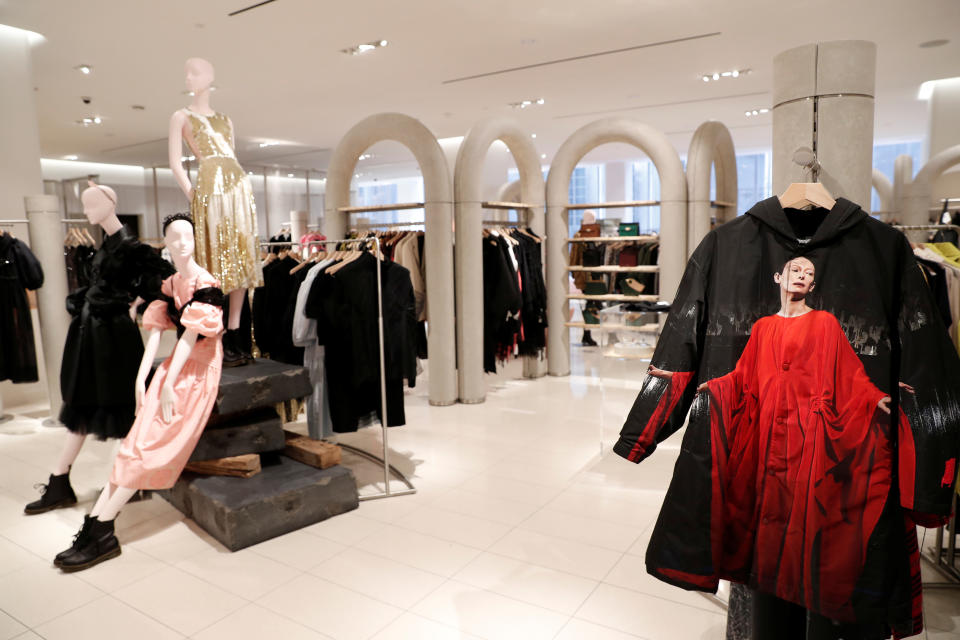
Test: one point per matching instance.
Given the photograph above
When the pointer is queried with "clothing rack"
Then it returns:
(926, 227)
(385, 460)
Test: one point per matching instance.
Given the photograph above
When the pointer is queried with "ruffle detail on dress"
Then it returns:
(155, 317)
(205, 319)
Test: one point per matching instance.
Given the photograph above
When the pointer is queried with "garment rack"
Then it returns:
(385, 460)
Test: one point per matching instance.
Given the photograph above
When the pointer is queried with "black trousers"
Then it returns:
(776, 619)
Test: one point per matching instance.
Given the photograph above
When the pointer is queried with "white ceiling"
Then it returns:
(281, 75)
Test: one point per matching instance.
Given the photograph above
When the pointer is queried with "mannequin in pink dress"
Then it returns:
(173, 411)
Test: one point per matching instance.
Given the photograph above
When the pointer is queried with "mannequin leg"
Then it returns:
(118, 498)
(236, 306)
(58, 492)
(69, 453)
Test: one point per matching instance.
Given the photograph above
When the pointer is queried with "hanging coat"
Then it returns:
(19, 270)
(868, 281)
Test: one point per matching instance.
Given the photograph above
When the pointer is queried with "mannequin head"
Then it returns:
(589, 217)
(100, 205)
(199, 75)
(178, 238)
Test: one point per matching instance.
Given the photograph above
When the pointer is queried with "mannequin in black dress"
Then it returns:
(103, 348)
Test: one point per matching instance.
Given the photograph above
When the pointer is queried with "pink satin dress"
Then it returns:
(155, 451)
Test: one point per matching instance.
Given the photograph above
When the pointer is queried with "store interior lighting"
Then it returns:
(719, 75)
(365, 47)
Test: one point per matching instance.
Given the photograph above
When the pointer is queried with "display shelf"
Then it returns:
(615, 205)
(613, 297)
(653, 327)
(647, 268)
(508, 205)
(382, 207)
(650, 238)
(716, 204)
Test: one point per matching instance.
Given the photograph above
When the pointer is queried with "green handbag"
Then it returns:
(629, 229)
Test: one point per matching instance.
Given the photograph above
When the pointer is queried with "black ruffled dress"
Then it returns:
(19, 270)
(104, 347)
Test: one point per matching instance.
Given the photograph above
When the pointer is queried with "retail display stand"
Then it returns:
(286, 495)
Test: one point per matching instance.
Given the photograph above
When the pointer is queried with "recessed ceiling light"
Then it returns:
(543, 156)
(249, 173)
(268, 144)
(90, 121)
(533, 135)
(365, 47)
(755, 112)
(930, 44)
(70, 157)
(523, 104)
(289, 175)
(717, 75)
(85, 69)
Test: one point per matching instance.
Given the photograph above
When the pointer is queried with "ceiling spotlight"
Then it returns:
(85, 69)
(756, 112)
(540, 100)
(96, 120)
(365, 47)
(90, 121)
(733, 73)
(70, 157)
(289, 175)
(523, 104)
(533, 135)
(543, 156)
(249, 173)
(268, 144)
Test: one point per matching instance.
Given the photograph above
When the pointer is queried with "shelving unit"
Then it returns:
(643, 328)
(613, 297)
(650, 238)
(646, 268)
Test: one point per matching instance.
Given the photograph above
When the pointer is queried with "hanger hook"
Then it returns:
(807, 158)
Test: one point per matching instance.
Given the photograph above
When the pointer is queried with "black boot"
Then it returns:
(55, 494)
(101, 544)
(232, 354)
(79, 541)
(588, 340)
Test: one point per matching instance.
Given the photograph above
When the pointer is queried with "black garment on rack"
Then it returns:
(282, 236)
(345, 307)
(19, 270)
(103, 348)
(937, 280)
(533, 293)
(502, 302)
(272, 324)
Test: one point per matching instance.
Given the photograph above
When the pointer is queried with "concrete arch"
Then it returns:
(673, 218)
(884, 190)
(438, 215)
(919, 192)
(469, 227)
(509, 192)
(711, 146)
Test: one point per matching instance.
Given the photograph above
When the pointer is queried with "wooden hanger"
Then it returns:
(802, 194)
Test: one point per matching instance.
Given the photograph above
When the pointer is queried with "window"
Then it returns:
(754, 180)
(645, 185)
(884, 156)
(390, 192)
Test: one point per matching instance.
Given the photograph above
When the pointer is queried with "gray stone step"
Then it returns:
(283, 497)
(263, 383)
(251, 432)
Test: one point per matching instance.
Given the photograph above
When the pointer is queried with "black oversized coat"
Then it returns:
(19, 270)
(867, 277)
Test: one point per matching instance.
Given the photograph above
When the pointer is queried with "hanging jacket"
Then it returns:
(868, 280)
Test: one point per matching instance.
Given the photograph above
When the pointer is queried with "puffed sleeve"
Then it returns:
(29, 271)
(147, 270)
(155, 317)
(204, 318)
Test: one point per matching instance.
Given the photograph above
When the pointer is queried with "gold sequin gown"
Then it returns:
(224, 213)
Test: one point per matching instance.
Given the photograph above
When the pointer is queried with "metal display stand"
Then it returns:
(385, 459)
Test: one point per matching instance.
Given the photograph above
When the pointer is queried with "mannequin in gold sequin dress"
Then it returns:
(221, 202)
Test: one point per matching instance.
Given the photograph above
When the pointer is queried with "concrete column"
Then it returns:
(46, 231)
(19, 163)
(823, 99)
(298, 224)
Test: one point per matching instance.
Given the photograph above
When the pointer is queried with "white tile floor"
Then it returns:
(524, 526)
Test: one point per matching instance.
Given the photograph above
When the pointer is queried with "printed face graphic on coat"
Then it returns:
(797, 277)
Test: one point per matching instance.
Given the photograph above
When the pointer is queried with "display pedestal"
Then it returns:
(286, 495)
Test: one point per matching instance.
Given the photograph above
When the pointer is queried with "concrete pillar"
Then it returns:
(902, 177)
(46, 231)
(20, 174)
(468, 212)
(298, 225)
(823, 99)
(438, 236)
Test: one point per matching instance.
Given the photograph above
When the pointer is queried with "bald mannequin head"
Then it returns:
(99, 202)
(589, 216)
(199, 75)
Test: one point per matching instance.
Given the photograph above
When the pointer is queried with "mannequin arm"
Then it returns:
(180, 355)
(133, 308)
(149, 353)
(174, 150)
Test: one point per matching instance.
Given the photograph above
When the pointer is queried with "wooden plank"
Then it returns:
(613, 297)
(615, 205)
(382, 207)
(647, 268)
(245, 466)
(649, 238)
(508, 205)
(316, 453)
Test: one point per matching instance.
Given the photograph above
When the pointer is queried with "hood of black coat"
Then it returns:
(835, 222)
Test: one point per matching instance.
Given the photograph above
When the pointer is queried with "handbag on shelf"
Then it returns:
(629, 229)
(589, 230)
